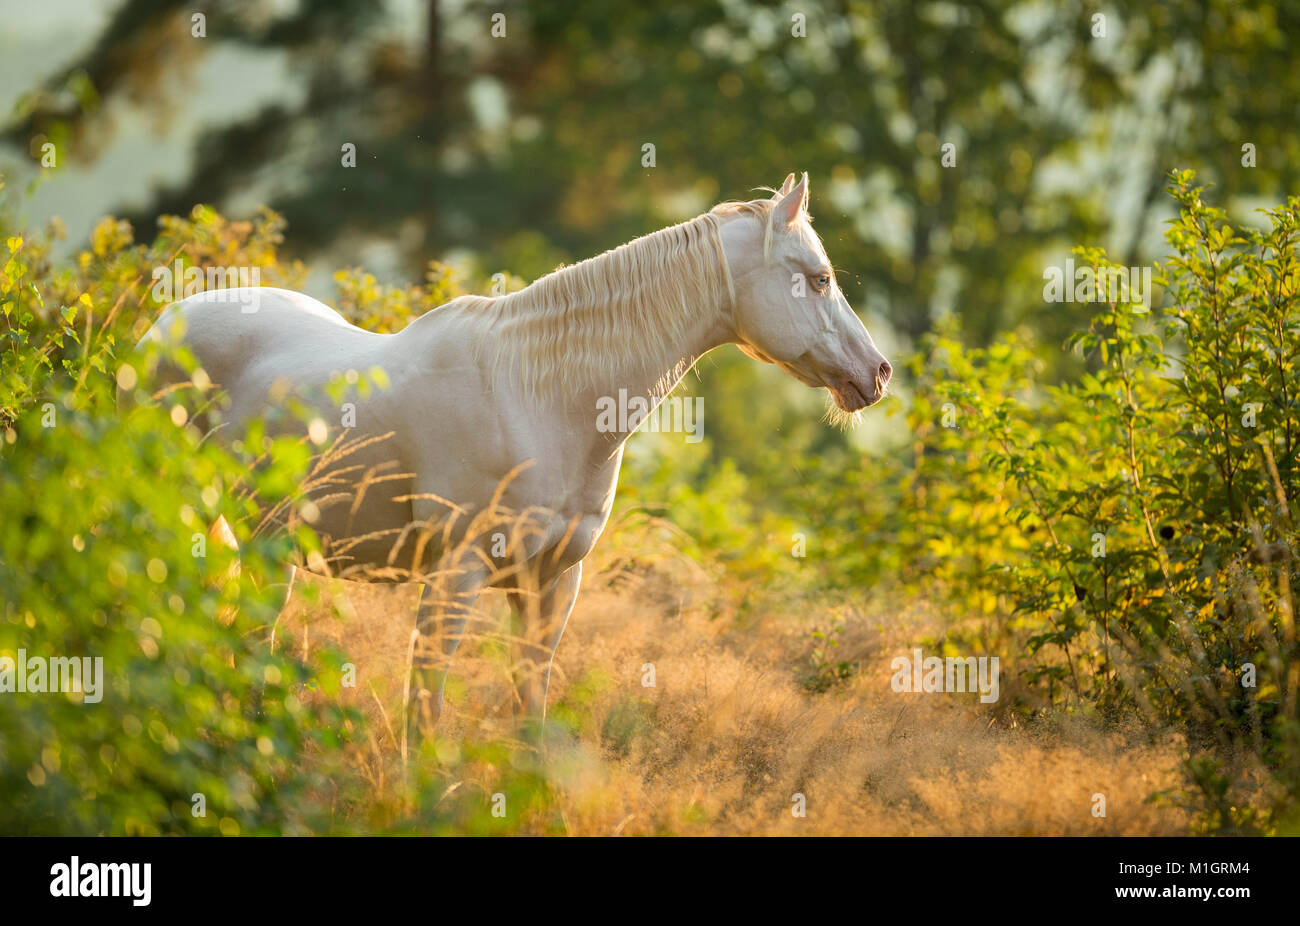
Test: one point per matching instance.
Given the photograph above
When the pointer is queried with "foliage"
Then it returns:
(100, 562)
(825, 672)
(1133, 533)
(64, 324)
(104, 554)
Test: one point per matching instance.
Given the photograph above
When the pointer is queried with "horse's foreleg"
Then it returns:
(541, 621)
(441, 621)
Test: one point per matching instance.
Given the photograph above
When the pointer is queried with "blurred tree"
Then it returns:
(524, 144)
(527, 147)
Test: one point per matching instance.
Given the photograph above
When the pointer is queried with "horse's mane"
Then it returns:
(569, 329)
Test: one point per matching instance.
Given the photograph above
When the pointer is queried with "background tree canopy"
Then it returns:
(526, 149)
(520, 151)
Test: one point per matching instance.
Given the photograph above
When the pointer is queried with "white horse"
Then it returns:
(481, 385)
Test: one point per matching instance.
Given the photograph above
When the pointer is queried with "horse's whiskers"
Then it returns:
(837, 417)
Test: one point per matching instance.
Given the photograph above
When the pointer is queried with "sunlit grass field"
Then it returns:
(732, 730)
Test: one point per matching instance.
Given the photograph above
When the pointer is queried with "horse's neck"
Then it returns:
(710, 326)
(649, 367)
(655, 381)
(633, 376)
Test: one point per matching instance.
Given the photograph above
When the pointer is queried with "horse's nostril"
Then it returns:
(885, 371)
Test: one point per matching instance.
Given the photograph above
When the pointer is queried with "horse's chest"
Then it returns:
(577, 510)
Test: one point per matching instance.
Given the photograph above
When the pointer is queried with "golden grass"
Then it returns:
(728, 734)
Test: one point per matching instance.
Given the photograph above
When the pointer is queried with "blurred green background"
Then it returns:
(516, 152)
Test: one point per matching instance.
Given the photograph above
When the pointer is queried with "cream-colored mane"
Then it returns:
(571, 329)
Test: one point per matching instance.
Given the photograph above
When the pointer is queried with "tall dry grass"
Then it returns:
(728, 734)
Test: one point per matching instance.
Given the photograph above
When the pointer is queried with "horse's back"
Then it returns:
(218, 315)
(250, 342)
(232, 331)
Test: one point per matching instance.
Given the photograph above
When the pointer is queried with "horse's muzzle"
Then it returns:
(852, 395)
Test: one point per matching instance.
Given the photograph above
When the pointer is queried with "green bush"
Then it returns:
(1132, 535)
(104, 554)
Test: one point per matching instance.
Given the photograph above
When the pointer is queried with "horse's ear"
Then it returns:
(785, 187)
(793, 203)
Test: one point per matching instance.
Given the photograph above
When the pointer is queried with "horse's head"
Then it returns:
(790, 311)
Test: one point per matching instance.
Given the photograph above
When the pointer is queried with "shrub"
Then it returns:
(1140, 522)
(104, 554)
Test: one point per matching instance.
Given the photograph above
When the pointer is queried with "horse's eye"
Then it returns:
(823, 281)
